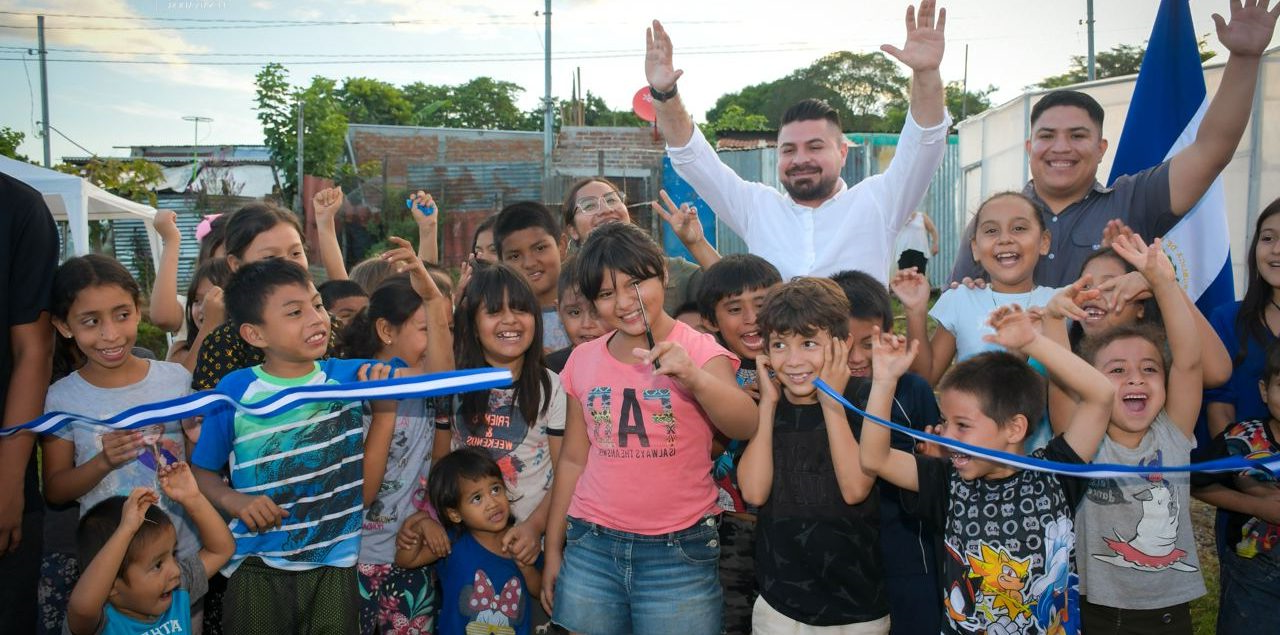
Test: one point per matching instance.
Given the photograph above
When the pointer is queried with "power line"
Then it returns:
(451, 56)
(73, 141)
(213, 20)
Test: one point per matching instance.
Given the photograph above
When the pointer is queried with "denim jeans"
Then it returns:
(1250, 593)
(618, 582)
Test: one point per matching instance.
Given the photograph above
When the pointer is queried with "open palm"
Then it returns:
(1250, 29)
(925, 40)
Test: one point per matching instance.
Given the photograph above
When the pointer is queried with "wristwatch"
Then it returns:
(661, 96)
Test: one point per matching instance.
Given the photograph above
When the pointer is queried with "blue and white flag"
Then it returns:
(1168, 104)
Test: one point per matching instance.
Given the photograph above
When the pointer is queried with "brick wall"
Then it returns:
(400, 146)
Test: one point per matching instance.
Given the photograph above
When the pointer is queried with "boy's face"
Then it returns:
(579, 318)
(536, 254)
(483, 505)
(966, 422)
(736, 321)
(1136, 368)
(145, 589)
(797, 361)
(295, 325)
(861, 334)
(1271, 395)
(346, 308)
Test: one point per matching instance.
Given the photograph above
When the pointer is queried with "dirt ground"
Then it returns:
(1204, 611)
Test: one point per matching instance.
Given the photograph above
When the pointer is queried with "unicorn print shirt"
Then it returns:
(483, 592)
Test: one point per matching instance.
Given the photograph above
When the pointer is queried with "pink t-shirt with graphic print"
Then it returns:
(649, 467)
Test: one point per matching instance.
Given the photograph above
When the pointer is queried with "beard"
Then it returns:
(810, 189)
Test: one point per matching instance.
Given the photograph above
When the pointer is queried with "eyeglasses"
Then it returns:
(596, 204)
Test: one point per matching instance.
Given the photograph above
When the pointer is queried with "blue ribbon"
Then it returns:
(206, 401)
(1092, 470)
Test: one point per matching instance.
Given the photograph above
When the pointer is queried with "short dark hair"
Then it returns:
(803, 307)
(523, 215)
(620, 247)
(868, 298)
(333, 290)
(1149, 331)
(977, 216)
(568, 280)
(687, 307)
(395, 301)
(1004, 385)
(1068, 98)
(442, 485)
(809, 110)
(734, 274)
(253, 283)
(100, 523)
(247, 222)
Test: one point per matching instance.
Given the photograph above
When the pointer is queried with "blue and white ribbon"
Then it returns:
(1092, 470)
(204, 402)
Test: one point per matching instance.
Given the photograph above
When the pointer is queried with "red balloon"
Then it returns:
(642, 104)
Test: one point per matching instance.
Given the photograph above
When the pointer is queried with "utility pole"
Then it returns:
(1089, 26)
(195, 141)
(44, 94)
(548, 117)
(297, 199)
(964, 87)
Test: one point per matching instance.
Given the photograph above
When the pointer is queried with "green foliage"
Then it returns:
(324, 124)
(10, 139)
(595, 112)
(963, 105)
(1119, 60)
(367, 100)
(152, 338)
(733, 118)
(132, 179)
(483, 102)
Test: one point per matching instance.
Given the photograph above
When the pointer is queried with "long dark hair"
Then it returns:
(395, 301)
(491, 287)
(72, 277)
(247, 222)
(1251, 319)
(217, 272)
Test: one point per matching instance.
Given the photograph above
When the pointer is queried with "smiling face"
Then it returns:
(1136, 368)
(861, 334)
(505, 334)
(103, 321)
(736, 321)
(810, 155)
(605, 205)
(579, 318)
(965, 421)
(1267, 251)
(145, 587)
(1065, 149)
(536, 254)
(797, 361)
(1100, 317)
(281, 241)
(618, 306)
(1008, 241)
(294, 331)
(484, 505)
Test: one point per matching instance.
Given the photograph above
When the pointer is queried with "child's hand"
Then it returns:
(891, 355)
(258, 513)
(523, 543)
(912, 288)
(835, 367)
(969, 283)
(926, 448)
(1114, 229)
(672, 360)
(166, 224)
(327, 202)
(1150, 261)
(135, 509)
(752, 388)
(1014, 328)
(214, 308)
(768, 385)
(376, 372)
(684, 219)
(434, 536)
(403, 258)
(1121, 290)
(423, 201)
(464, 275)
(179, 483)
(120, 447)
(1066, 302)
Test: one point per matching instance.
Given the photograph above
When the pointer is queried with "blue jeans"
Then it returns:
(1250, 592)
(618, 582)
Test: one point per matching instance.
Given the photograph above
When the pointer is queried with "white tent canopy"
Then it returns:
(73, 199)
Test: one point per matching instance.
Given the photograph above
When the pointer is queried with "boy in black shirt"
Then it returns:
(818, 536)
(1008, 540)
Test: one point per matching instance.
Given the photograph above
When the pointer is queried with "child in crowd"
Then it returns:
(1138, 566)
(95, 308)
(135, 580)
(328, 202)
(485, 589)
(164, 310)
(204, 310)
(529, 240)
(482, 245)
(818, 559)
(521, 427)
(577, 315)
(643, 404)
(1007, 539)
(295, 477)
(343, 299)
(688, 313)
(405, 320)
(1009, 238)
(211, 233)
(729, 301)
(911, 575)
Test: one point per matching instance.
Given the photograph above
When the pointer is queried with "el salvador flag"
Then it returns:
(1168, 104)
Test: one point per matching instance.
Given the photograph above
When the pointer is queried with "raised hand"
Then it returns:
(213, 307)
(1114, 229)
(658, 67)
(891, 355)
(166, 224)
(403, 258)
(178, 482)
(1014, 328)
(835, 366)
(684, 219)
(767, 385)
(925, 42)
(1250, 29)
(422, 202)
(912, 288)
(1150, 261)
(135, 508)
(326, 203)
(1066, 302)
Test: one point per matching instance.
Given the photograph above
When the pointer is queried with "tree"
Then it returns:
(595, 112)
(1119, 60)
(963, 105)
(324, 125)
(374, 101)
(486, 103)
(132, 179)
(10, 139)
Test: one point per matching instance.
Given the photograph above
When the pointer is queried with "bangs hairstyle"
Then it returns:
(1272, 367)
(491, 288)
(1003, 384)
(253, 283)
(395, 301)
(100, 522)
(977, 216)
(523, 215)
(868, 298)
(1091, 346)
(803, 307)
(80, 273)
(734, 274)
(247, 222)
(444, 484)
(621, 248)
(217, 272)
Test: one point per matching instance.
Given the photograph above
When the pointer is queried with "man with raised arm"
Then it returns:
(821, 225)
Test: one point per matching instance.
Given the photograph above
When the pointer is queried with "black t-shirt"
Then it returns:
(556, 360)
(28, 258)
(1007, 552)
(817, 558)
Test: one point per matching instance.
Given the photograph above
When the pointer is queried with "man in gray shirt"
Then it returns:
(1066, 146)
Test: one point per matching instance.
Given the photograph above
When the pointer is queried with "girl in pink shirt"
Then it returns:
(631, 541)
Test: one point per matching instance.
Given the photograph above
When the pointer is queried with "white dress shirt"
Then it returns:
(854, 229)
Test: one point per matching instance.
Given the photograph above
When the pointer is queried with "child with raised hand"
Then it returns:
(135, 580)
(654, 390)
(818, 560)
(329, 201)
(165, 312)
(1140, 567)
(1006, 535)
(204, 310)
(484, 587)
(1009, 239)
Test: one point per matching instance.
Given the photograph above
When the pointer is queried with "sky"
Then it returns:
(148, 63)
